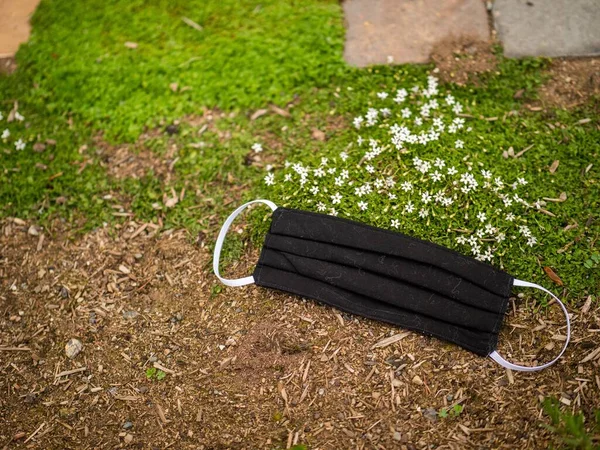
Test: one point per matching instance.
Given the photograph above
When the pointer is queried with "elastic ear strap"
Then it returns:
(504, 363)
(221, 238)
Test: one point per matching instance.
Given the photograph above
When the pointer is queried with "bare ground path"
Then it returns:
(245, 368)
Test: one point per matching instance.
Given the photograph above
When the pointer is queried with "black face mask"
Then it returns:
(386, 276)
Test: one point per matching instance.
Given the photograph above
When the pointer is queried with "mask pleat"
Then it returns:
(479, 342)
(332, 230)
(384, 289)
(401, 269)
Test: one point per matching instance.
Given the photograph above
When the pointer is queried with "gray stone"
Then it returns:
(431, 414)
(73, 348)
(548, 27)
(407, 30)
(128, 425)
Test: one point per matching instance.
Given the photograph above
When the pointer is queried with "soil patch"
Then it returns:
(572, 82)
(246, 368)
(461, 60)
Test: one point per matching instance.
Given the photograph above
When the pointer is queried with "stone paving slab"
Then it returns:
(407, 30)
(548, 27)
(14, 24)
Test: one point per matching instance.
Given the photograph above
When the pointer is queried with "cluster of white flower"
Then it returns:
(371, 180)
(14, 115)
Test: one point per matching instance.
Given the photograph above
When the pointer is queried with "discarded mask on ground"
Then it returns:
(386, 276)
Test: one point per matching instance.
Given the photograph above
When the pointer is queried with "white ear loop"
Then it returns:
(504, 363)
(221, 238)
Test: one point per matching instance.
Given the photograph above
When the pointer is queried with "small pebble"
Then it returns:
(73, 347)
(417, 380)
(431, 414)
(397, 436)
(127, 425)
(130, 314)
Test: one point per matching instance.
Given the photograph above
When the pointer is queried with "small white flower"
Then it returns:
(344, 156)
(270, 179)
(392, 196)
(459, 144)
(418, 121)
(257, 148)
(461, 240)
(320, 173)
(486, 174)
(406, 186)
(331, 170)
(482, 217)
(370, 168)
(457, 108)
(20, 145)
(436, 176)
(409, 207)
(423, 213)
(314, 190)
(333, 212)
(321, 207)
(5, 134)
(324, 161)
(344, 174)
(395, 223)
(382, 95)
(385, 112)
(363, 206)
(336, 198)
(359, 141)
(449, 100)
(510, 217)
(439, 163)
(339, 181)
(287, 177)
(522, 181)
(532, 241)
(378, 183)
(425, 197)
(452, 171)
(19, 117)
(287, 164)
(405, 113)
(501, 237)
(358, 121)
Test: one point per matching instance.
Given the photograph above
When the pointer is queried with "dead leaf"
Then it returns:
(389, 340)
(39, 147)
(586, 306)
(131, 45)
(582, 121)
(279, 111)
(554, 166)
(174, 87)
(192, 24)
(552, 275)
(258, 113)
(318, 135)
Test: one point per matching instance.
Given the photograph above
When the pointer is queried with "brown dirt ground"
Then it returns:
(461, 60)
(572, 82)
(247, 367)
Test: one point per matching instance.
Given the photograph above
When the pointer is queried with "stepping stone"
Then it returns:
(548, 27)
(405, 31)
(14, 24)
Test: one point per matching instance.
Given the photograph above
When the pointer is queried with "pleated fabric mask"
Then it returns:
(386, 276)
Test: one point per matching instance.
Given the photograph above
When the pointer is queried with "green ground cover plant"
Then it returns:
(118, 69)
